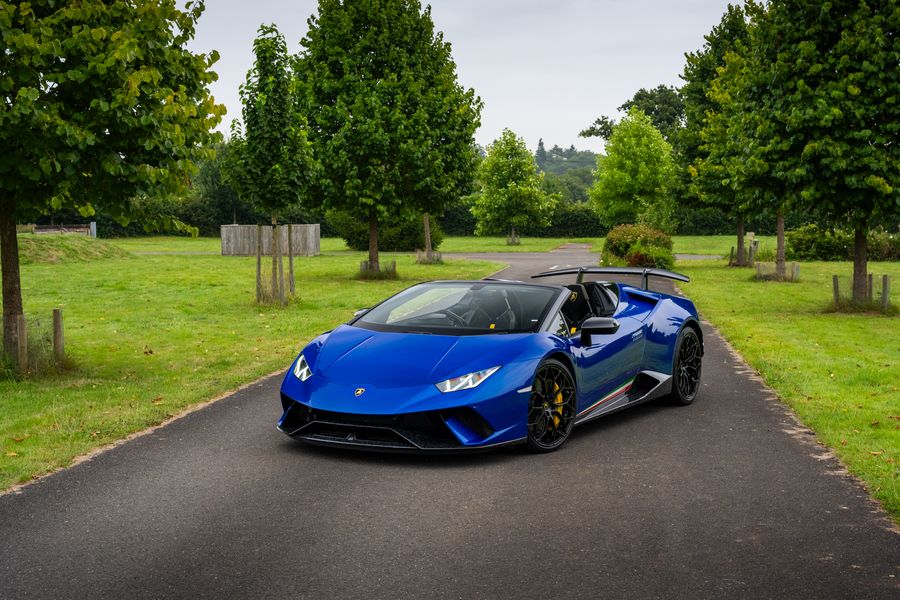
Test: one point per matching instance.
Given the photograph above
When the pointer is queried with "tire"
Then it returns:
(687, 365)
(551, 407)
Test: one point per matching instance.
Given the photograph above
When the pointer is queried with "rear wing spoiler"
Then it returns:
(645, 274)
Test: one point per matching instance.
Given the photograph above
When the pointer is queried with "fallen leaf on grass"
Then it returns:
(12, 453)
(157, 401)
(20, 439)
(878, 453)
(843, 442)
(894, 417)
(875, 423)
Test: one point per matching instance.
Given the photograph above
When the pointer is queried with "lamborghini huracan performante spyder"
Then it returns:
(459, 365)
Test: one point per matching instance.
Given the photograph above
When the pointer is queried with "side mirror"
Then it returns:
(597, 326)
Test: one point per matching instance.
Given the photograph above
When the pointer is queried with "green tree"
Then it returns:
(540, 155)
(213, 195)
(662, 104)
(705, 180)
(559, 160)
(571, 186)
(390, 125)
(271, 163)
(813, 118)
(634, 178)
(103, 102)
(511, 195)
(826, 78)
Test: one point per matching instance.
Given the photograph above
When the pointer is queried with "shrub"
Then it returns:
(621, 239)
(398, 235)
(883, 245)
(811, 242)
(457, 218)
(653, 257)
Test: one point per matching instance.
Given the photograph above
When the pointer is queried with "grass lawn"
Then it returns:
(476, 244)
(151, 335)
(183, 244)
(839, 372)
(64, 248)
(718, 245)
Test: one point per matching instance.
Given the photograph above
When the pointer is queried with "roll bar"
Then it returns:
(645, 274)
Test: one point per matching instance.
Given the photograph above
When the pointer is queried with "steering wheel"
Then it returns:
(477, 311)
(453, 317)
(514, 309)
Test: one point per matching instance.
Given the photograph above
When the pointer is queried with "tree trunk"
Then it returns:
(373, 241)
(274, 248)
(12, 286)
(860, 264)
(779, 248)
(426, 224)
(259, 264)
(293, 285)
(280, 269)
(741, 253)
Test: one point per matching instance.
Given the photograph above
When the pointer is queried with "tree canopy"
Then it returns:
(103, 103)
(270, 161)
(811, 114)
(511, 195)
(662, 104)
(389, 124)
(704, 152)
(634, 177)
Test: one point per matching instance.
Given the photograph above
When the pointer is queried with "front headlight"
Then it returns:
(466, 382)
(301, 369)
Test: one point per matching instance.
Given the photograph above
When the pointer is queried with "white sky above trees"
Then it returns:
(544, 68)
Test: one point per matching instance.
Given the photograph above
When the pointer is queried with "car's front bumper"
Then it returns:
(439, 431)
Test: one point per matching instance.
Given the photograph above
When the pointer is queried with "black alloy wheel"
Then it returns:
(551, 407)
(686, 367)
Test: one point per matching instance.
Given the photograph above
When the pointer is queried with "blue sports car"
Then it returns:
(460, 365)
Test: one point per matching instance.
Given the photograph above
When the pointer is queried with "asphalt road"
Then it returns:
(726, 498)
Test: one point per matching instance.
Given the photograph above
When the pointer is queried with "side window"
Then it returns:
(559, 326)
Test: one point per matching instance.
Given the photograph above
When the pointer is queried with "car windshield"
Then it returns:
(462, 308)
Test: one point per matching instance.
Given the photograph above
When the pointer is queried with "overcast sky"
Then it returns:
(544, 68)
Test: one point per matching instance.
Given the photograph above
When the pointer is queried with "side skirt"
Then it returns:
(647, 385)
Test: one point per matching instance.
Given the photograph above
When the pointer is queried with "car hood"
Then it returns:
(354, 355)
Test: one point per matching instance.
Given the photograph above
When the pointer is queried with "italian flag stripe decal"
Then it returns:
(609, 397)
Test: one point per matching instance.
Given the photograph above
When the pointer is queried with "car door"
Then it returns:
(608, 362)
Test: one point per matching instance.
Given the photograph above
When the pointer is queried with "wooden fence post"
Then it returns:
(885, 292)
(59, 344)
(22, 337)
(869, 288)
(837, 294)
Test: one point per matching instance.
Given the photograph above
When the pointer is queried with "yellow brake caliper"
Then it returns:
(558, 402)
